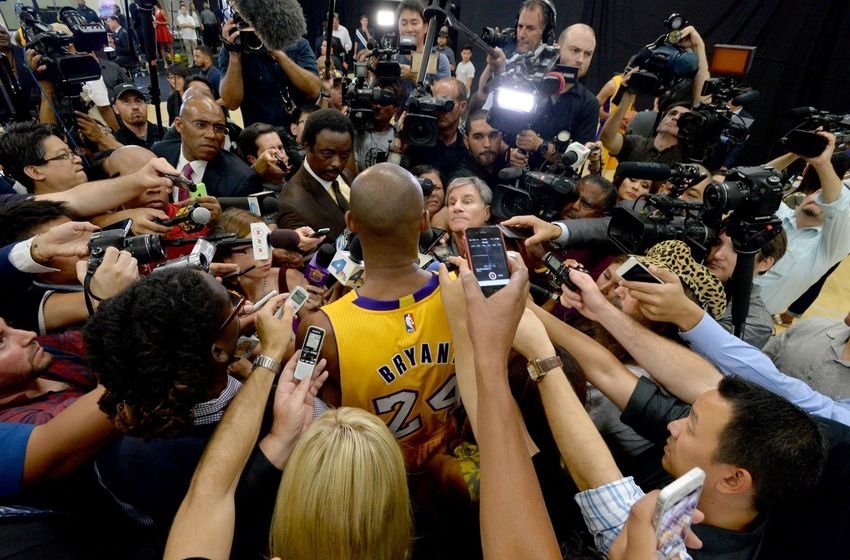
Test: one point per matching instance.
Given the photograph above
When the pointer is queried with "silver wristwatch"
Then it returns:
(264, 361)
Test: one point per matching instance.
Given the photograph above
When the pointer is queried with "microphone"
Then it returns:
(316, 273)
(347, 266)
(191, 219)
(278, 23)
(284, 239)
(644, 170)
(510, 173)
(802, 112)
(575, 155)
(746, 97)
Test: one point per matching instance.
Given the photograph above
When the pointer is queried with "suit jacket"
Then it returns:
(305, 202)
(123, 50)
(226, 174)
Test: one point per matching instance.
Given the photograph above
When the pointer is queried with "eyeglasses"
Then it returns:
(590, 204)
(237, 301)
(64, 155)
(203, 126)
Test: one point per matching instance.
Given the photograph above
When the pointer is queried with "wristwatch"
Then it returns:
(264, 361)
(537, 369)
(543, 149)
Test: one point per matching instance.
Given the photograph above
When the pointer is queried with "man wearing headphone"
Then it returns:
(575, 109)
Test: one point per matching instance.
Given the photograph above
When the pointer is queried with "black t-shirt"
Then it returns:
(129, 138)
(446, 158)
(641, 148)
(576, 111)
(648, 412)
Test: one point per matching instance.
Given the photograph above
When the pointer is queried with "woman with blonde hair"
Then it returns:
(344, 493)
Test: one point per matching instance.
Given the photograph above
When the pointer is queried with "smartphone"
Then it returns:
(298, 296)
(488, 258)
(320, 232)
(674, 511)
(561, 272)
(309, 352)
(516, 232)
(123, 225)
(634, 271)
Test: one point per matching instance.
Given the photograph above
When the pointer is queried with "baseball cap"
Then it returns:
(121, 89)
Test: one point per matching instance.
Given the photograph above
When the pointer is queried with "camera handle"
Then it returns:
(748, 237)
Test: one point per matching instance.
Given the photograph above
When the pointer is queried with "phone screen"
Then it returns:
(675, 520)
(487, 256)
(312, 346)
(298, 297)
(634, 271)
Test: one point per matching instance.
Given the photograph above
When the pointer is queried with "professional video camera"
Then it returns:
(526, 84)
(751, 194)
(702, 128)
(361, 96)
(145, 248)
(386, 66)
(533, 193)
(663, 64)
(247, 40)
(502, 38)
(420, 124)
(65, 69)
(804, 141)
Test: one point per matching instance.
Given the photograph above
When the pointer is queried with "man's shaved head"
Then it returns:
(127, 160)
(386, 201)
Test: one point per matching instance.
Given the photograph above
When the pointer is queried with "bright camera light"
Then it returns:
(385, 18)
(515, 100)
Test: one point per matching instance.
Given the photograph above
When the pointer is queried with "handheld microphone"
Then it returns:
(510, 173)
(316, 273)
(575, 155)
(644, 170)
(278, 23)
(279, 239)
(191, 219)
(347, 266)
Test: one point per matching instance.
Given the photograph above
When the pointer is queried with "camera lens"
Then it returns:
(145, 248)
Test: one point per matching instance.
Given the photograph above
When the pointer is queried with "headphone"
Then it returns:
(550, 14)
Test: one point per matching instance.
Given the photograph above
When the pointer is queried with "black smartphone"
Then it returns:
(436, 235)
(561, 272)
(320, 232)
(487, 257)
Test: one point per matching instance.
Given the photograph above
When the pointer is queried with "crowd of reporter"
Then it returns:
(152, 402)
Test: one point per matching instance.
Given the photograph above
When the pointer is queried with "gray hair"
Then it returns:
(483, 189)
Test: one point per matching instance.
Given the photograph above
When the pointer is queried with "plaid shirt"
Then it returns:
(68, 366)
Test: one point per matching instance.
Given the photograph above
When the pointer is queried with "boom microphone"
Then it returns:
(644, 170)
(189, 218)
(802, 112)
(278, 23)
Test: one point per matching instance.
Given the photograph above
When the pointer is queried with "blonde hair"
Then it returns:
(236, 220)
(344, 493)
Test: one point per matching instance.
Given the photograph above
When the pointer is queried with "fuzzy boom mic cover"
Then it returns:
(278, 23)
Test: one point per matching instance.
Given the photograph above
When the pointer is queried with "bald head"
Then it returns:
(386, 202)
(197, 89)
(577, 43)
(202, 128)
(127, 160)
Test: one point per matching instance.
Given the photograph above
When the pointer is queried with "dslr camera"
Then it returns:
(144, 248)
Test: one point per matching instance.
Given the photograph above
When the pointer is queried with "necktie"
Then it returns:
(183, 194)
(340, 200)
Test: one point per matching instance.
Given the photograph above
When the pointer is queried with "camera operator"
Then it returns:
(372, 146)
(575, 109)
(818, 235)
(262, 84)
(411, 23)
(450, 149)
(486, 151)
(18, 64)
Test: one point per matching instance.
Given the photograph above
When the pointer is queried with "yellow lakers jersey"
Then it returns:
(396, 360)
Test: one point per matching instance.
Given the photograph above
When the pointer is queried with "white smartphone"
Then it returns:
(309, 352)
(634, 271)
(487, 256)
(298, 297)
(674, 511)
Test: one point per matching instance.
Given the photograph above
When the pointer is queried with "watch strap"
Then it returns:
(271, 364)
(537, 369)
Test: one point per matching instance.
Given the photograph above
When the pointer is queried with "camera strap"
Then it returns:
(89, 296)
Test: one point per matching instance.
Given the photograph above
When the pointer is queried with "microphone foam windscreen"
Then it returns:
(278, 23)
(284, 239)
(201, 215)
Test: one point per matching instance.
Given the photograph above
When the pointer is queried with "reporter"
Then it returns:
(468, 201)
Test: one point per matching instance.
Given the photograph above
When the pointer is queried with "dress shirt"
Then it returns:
(811, 252)
(733, 356)
(199, 167)
(343, 186)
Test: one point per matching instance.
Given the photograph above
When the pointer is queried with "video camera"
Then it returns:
(663, 64)
(751, 194)
(420, 124)
(144, 248)
(361, 96)
(804, 141)
(65, 69)
(528, 81)
(533, 193)
(505, 38)
(702, 128)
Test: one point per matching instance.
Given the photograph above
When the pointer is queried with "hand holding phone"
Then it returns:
(320, 232)
(309, 353)
(634, 271)
(487, 257)
(674, 511)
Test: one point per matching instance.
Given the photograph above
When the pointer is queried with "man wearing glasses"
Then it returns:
(198, 155)
(36, 156)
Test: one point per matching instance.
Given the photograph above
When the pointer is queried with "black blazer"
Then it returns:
(226, 174)
(123, 50)
(305, 202)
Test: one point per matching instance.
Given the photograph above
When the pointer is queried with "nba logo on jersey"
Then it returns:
(409, 325)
